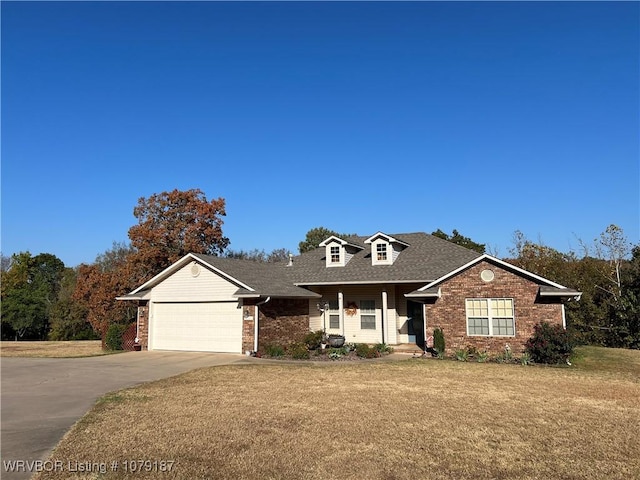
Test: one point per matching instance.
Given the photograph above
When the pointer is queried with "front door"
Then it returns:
(415, 321)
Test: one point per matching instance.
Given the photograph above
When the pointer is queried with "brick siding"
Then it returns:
(143, 324)
(283, 321)
(248, 325)
(449, 312)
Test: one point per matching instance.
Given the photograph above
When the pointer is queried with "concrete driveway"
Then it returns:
(43, 397)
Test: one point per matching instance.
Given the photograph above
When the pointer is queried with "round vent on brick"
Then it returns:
(487, 275)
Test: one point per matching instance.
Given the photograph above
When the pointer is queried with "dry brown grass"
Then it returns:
(413, 419)
(78, 348)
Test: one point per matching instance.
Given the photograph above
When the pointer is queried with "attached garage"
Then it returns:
(203, 303)
(198, 327)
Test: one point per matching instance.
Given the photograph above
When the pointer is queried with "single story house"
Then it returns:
(394, 289)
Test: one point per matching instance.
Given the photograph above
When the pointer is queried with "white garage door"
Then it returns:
(198, 327)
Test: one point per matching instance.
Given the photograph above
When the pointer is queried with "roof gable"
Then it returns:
(387, 238)
(501, 263)
(167, 272)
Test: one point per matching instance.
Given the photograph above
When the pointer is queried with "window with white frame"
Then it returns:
(381, 252)
(334, 315)
(335, 254)
(368, 314)
(490, 317)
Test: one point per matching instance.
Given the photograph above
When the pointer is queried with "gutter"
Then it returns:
(255, 324)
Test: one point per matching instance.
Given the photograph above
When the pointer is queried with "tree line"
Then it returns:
(44, 299)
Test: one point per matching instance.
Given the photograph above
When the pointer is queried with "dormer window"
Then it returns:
(334, 253)
(338, 252)
(381, 252)
(385, 248)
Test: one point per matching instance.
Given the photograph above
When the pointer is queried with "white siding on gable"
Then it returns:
(395, 251)
(347, 256)
(183, 286)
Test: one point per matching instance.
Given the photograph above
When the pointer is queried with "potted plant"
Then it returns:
(336, 341)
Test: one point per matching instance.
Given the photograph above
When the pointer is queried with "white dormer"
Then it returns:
(338, 252)
(385, 248)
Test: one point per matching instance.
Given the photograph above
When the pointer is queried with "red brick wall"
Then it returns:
(143, 324)
(248, 325)
(449, 314)
(283, 321)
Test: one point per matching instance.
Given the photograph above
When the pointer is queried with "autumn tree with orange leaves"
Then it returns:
(170, 225)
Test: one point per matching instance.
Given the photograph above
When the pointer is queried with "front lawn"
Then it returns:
(72, 348)
(418, 418)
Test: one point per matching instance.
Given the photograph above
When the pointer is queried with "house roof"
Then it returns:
(547, 287)
(260, 279)
(425, 259)
(253, 279)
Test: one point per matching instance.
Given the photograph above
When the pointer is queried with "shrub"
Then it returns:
(113, 339)
(365, 351)
(382, 348)
(336, 353)
(482, 357)
(313, 339)
(462, 355)
(550, 344)
(274, 350)
(438, 341)
(298, 351)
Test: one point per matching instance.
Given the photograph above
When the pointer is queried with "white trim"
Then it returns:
(388, 238)
(489, 316)
(342, 242)
(564, 319)
(438, 294)
(182, 262)
(383, 317)
(500, 263)
(360, 282)
(341, 309)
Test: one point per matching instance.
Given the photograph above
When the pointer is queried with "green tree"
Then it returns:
(68, 318)
(276, 255)
(29, 289)
(461, 240)
(316, 236)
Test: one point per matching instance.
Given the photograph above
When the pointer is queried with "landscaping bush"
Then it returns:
(113, 339)
(438, 341)
(298, 351)
(462, 355)
(274, 350)
(313, 339)
(365, 351)
(382, 348)
(550, 344)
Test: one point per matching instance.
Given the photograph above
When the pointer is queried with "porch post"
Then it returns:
(383, 319)
(341, 309)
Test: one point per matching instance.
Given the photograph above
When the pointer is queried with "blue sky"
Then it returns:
(482, 117)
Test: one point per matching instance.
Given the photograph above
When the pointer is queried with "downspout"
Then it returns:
(424, 326)
(564, 319)
(255, 324)
(138, 322)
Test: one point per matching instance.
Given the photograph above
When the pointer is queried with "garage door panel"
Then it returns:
(204, 327)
